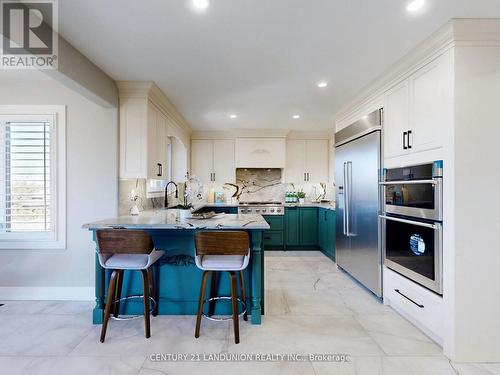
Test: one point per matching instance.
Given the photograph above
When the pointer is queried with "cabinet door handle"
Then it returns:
(404, 141)
(408, 139)
(409, 299)
(214, 176)
(305, 176)
(159, 169)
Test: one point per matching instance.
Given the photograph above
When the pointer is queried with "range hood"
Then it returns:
(260, 152)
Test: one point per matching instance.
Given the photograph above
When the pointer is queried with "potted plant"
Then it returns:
(302, 196)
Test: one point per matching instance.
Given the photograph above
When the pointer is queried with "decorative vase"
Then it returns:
(184, 214)
(134, 211)
(301, 200)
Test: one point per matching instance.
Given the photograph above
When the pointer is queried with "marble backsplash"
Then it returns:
(258, 184)
(253, 184)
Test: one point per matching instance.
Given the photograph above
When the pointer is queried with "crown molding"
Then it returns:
(456, 32)
(150, 91)
(261, 133)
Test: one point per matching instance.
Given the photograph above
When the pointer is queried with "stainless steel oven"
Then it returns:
(414, 248)
(415, 191)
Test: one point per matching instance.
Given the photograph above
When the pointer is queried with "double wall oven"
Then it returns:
(412, 238)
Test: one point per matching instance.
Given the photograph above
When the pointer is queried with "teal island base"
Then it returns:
(178, 280)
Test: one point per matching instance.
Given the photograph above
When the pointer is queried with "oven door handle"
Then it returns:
(419, 223)
(409, 182)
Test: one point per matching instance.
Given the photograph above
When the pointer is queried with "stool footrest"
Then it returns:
(224, 318)
(126, 317)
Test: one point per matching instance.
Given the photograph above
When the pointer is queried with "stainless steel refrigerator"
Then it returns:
(358, 200)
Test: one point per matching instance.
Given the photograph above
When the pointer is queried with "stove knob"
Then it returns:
(263, 210)
(257, 210)
(272, 209)
(279, 209)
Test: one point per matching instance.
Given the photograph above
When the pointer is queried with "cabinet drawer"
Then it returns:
(275, 222)
(417, 304)
(273, 238)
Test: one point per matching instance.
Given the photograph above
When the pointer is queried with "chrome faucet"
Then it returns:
(166, 192)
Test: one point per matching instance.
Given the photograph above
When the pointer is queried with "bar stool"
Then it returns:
(120, 250)
(222, 251)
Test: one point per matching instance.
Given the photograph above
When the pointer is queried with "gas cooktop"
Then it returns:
(257, 203)
(262, 208)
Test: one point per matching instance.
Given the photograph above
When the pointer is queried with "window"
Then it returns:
(32, 162)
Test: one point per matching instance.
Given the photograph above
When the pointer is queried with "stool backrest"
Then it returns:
(222, 243)
(124, 241)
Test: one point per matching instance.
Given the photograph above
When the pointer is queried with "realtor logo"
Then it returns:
(29, 34)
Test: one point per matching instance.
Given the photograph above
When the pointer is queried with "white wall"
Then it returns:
(92, 190)
(477, 204)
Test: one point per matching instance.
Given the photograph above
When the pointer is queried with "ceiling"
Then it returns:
(258, 59)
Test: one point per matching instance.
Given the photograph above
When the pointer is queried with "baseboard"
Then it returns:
(47, 293)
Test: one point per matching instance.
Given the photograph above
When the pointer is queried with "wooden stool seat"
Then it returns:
(120, 250)
(218, 251)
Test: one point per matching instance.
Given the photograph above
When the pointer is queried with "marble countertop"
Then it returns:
(197, 206)
(169, 219)
(328, 206)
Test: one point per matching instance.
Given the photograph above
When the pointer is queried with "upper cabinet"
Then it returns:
(260, 152)
(147, 119)
(142, 139)
(213, 160)
(306, 161)
(416, 109)
(397, 120)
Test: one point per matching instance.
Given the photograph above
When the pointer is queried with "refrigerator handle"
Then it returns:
(345, 201)
(348, 198)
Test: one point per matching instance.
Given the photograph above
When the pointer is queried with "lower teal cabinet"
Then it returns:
(273, 237)
(301, 228)
(326, 232)
(308, 217)
(292, 226)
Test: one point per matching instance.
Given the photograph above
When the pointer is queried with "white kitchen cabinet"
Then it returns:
(202, 159)
(417, 109)
(431, 94)
(317, 160)
(157, 143)
(306, 161)
(213, 160)
(397, 119)
(144, 130)
(143, 143)
(295, 170)
(224, 168)
(421, 306)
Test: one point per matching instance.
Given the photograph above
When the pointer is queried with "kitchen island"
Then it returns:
(177, 278)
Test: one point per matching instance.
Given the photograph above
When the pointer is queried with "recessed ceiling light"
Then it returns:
(200, 4)
(322, 84)
(415, 5)
(296, 117)
(233, 116)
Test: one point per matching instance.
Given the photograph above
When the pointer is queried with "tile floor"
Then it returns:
(312, 307)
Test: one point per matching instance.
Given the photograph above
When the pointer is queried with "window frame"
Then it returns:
(56, 238)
